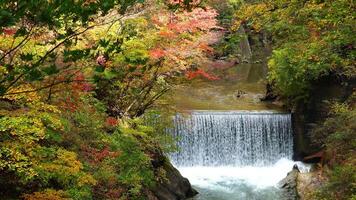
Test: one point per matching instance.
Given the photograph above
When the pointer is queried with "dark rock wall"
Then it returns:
(307, 115)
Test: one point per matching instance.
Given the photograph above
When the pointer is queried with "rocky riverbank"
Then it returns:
(299, 185)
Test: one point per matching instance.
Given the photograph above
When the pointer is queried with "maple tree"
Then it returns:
(63, 55)
(150, 56)
(37, 37)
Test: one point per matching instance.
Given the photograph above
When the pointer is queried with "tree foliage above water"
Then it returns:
(96, 43)
(311, 39)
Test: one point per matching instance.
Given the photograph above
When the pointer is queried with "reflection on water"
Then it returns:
(248, 79)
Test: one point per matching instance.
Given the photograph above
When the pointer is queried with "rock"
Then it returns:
(173, 186)
(269, 96)
(240, 93)
(308, 183)
(289, 185)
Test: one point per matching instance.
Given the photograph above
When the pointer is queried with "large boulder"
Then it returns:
(175, 187)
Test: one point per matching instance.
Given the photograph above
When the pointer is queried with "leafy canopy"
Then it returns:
(311, 39)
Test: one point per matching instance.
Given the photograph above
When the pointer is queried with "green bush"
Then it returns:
(337, 136)
(134, 166)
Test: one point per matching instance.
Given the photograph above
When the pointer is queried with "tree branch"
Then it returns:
(17, 46)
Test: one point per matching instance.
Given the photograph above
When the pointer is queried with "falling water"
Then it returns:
(232, 139)
(234, 155)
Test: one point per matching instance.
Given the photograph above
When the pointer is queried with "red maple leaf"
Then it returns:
(9, 31)
(111, 121)
(157, 53)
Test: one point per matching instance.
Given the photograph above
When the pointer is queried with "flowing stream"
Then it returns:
(232, 155)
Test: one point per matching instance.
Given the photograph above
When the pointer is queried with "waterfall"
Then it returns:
(236, 139)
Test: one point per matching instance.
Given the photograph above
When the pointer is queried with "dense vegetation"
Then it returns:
(76, 80)
(81, 85)
(310, 39)
(337, 136)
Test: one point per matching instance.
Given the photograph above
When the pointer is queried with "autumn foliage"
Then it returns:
(186, 39)
(184, 4)
(200, 73)
(75, 80)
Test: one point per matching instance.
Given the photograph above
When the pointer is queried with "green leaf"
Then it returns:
(74, 55)
(26, 57)
(34, 75)
(104, 43)
(2, 90)
(21, 32)
(108, 74)
(53, 135)
(50, 70)
(99, 69)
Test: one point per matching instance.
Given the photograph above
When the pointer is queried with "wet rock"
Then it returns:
(289, 185)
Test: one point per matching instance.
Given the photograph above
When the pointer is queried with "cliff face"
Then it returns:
(307, 115)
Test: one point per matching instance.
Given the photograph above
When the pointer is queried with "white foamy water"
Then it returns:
(235, 155)
(260, 177)
(239, 183)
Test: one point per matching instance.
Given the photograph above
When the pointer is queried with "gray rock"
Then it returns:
(289, 185)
